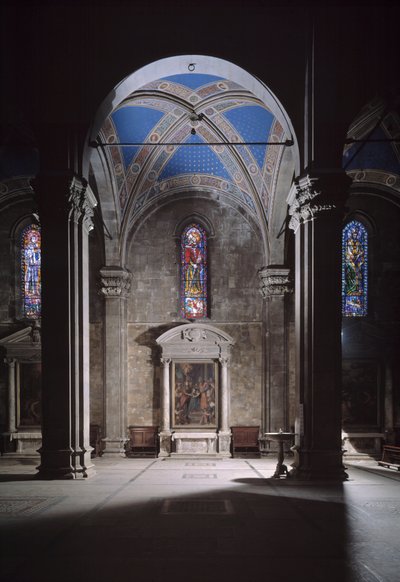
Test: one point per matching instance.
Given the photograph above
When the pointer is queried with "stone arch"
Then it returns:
(201, 64)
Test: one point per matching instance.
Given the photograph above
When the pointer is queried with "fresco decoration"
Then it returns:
(360, 394)
(31, 279)
(354, 270)
(195, 394)
(192, 109)
(194, 297)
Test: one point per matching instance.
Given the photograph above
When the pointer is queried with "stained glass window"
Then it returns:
(194, 272)
(31, 281)
(354, 269)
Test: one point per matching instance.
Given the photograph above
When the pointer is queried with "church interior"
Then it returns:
(200, 291)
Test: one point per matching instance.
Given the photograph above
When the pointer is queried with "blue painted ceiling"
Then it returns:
(166, 118)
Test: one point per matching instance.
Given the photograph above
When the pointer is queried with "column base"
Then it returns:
(224, 443)
(319, 466)
(114, 446)
(64, 464)
(165, 444)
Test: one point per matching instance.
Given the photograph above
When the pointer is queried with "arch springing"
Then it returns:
(194, 275)
(31, 280)
(354, 269)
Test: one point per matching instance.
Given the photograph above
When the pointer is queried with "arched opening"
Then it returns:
(182, 137)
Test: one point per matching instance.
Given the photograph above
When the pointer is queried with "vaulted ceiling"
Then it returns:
(191, 132)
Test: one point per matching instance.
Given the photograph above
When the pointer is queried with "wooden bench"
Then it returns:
(245, 439)
(143, 441)
(390, 457)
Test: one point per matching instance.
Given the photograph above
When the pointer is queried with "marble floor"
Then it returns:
(199, 520)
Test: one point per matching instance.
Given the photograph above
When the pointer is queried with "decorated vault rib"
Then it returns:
(230, 134)
(272, 163)
(190, 182)
(145, 152)
(167, 153)
(108, 134)
(379, 177)
(146, 170)
(172, 86)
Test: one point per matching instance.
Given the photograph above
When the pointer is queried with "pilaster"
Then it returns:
(115, 287)
(12, 426)
(224, 433)
(165, 432)
(276, 284)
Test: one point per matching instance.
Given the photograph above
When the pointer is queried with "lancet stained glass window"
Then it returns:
(31, 280)
(194, 272)
(354, 269)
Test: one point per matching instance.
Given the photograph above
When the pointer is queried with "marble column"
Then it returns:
(11, 426)
(165, 432)
(316, 209)
(224, 434)
(115, 287)
(275, 286)
(66, 208)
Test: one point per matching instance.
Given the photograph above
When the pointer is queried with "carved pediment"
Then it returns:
(197, 340)
(24, 344)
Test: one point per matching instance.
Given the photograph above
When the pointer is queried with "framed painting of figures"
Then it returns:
(195, 394)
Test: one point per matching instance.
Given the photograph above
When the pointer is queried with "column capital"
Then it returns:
(115, 282)
(165, 362)
(275, 281)
(313, 195)
(74, 198)
(10, 361)
(81, 201)
(225, 361)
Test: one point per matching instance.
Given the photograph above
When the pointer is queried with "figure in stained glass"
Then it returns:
(194, 272)
(354, 269)
(31, 270)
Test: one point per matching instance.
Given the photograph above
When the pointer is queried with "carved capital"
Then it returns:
(225, 361)
(165, 362)
(115, 282)
(275, 281)
(306, 202)
(81, 202)
(317, 195)
(10, 362)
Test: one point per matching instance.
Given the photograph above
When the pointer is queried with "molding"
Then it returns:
(197, 341)
(81, 201)
(275, 281)
(313, 195)
(115, 282)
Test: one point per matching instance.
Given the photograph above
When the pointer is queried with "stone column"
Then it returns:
(224, 434)
(66, 209)
(165, 432)
(275, 285)
(316, 209)
(116, 283)
(12, 426)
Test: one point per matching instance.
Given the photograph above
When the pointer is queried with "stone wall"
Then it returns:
(235, 255)
(96, 374)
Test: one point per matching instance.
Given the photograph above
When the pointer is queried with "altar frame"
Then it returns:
(197, 345)
(194, 394)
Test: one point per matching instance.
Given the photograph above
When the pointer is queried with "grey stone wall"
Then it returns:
(96, 374)
(235, 255)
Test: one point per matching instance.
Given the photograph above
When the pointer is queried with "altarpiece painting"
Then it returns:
(195, 394)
